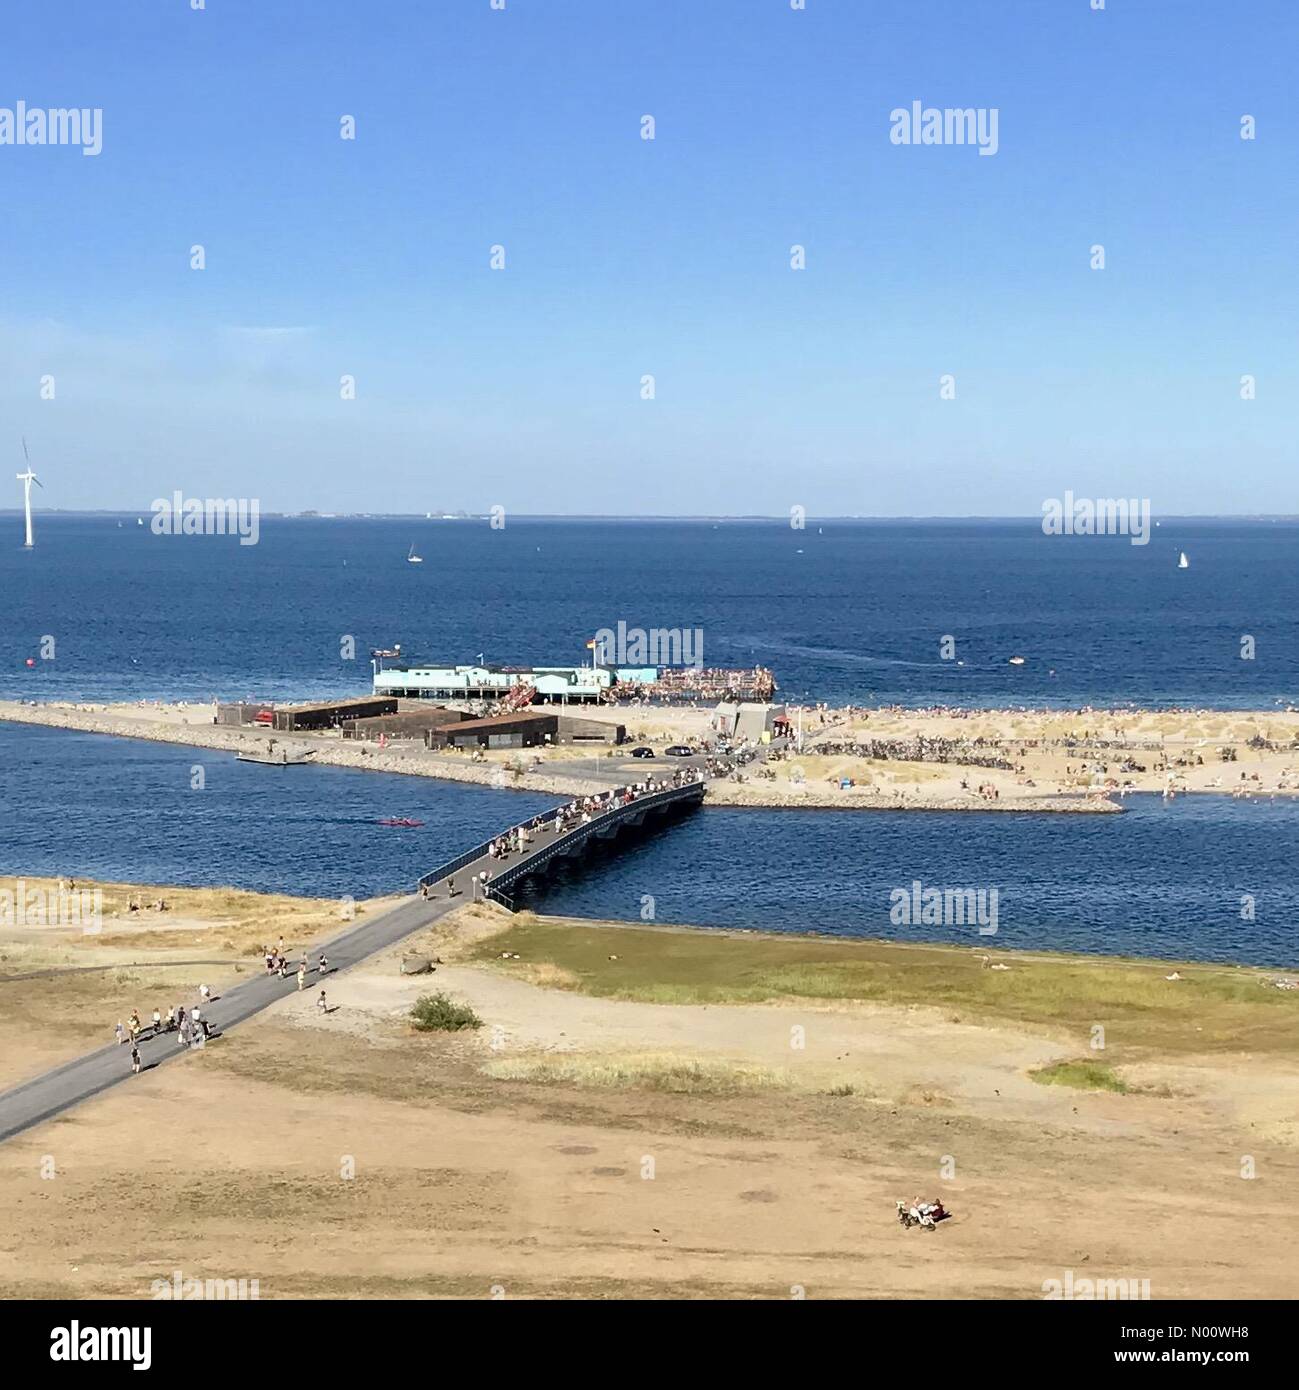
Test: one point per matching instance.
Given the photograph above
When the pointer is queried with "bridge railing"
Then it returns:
(470, 855)
(459, 862)
(576, 834)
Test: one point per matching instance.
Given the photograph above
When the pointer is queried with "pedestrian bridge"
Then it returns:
(67, 1085)
(554, 837)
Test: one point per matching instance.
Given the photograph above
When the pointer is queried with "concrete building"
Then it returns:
(758, 723)
(244, 712)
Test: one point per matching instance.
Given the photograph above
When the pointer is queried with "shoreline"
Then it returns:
(1023, 954)
(205, 897)
(333, 752)
(326, 752)
(854, 759)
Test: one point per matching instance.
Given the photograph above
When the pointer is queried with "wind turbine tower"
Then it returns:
(27, 479)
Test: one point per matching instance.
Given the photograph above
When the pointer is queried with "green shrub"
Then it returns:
(437, 1013)
(1084, 1075)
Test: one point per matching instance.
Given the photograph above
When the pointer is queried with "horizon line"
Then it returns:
(313, 514)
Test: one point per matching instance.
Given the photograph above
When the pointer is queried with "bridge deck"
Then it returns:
(547, 843)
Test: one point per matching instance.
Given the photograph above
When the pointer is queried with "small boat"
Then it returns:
(413, 559)
(272, 759)
(1015, 661)
(403, 822)
(1182, 562)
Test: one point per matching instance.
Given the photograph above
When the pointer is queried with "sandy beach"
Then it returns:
(669, 1113)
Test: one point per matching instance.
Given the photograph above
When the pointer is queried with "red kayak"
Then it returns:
(404, 822)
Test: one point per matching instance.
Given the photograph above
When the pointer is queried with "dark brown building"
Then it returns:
(331, 715)
(406, 723)
(528, 728)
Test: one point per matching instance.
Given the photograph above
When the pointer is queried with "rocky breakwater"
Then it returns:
(324, 748)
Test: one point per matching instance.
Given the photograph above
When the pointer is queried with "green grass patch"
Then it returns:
(643, 1071)
(436, 1013)
(1212, 1009)
(1082, 1076)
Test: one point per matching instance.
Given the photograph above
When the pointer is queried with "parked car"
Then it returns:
(679, 750)
(642, 752)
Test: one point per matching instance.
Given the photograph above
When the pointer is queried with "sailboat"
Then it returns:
(1182, 562)
(413, 559)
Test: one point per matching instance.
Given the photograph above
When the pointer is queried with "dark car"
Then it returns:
(642, 752)
(679, 750)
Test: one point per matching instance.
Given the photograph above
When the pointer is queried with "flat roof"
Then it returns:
(346, 703)
(497, 721)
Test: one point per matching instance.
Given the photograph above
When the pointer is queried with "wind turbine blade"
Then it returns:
(26, 455)
(38, 482)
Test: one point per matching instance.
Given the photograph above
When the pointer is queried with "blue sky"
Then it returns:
(625, 257)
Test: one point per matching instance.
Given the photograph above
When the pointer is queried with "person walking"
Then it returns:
(320, 1002)
(120, 1032)
(135, 1060)
(302, 978)
(324, 964)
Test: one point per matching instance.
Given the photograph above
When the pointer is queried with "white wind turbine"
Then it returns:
(27, 479)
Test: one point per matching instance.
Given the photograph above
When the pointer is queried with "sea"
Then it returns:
(841, 611)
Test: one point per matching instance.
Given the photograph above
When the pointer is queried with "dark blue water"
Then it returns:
(125, 810)
(1163, 879)
(852, 612)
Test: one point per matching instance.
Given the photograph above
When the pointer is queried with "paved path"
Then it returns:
(87, 1076)
(55, 1091)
